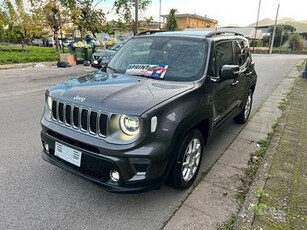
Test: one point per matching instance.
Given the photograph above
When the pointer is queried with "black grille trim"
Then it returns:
(84, 120)
(103, 129)
(80, 118)
(61, 112)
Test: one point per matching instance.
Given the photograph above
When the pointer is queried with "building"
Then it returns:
(192, 21)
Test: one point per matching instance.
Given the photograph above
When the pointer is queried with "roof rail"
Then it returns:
(217, 33)
(148, 32)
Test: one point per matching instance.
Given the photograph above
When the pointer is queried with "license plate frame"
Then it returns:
(68, 154)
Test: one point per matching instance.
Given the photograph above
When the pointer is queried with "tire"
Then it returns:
(185, 169)
(244, 115)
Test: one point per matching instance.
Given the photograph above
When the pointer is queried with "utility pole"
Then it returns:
(136, 17)
(274, 30)
(256, 28)
(160, 15)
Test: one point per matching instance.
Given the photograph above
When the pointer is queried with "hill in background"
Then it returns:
(301, 26)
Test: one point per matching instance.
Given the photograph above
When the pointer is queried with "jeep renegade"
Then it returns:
(145, 117)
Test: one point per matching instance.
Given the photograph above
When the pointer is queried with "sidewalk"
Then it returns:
(27, 65)
(214, 203)
(282, 203)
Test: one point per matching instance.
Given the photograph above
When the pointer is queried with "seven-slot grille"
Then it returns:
(80, 118)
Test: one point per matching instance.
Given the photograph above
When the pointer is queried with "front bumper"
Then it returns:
(141, 168)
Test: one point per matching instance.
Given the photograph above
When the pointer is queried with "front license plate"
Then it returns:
(68, 154)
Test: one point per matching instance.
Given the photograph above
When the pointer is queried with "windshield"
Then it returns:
(171, 58)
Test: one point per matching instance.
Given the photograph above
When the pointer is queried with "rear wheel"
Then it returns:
(244, 115)
(188, 161)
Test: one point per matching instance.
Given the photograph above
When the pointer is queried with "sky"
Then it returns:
(227, 12)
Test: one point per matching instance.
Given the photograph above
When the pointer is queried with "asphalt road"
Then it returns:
(37, 195)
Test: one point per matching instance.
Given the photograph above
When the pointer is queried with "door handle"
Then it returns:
(235, 83)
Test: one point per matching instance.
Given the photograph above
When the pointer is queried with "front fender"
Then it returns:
(177, 117)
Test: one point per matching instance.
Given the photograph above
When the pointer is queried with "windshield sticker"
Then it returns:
(155, 71)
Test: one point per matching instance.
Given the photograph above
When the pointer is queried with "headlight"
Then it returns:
(49, 102)
(129, 125)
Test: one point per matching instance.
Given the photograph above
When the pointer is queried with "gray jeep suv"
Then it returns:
(145, 117)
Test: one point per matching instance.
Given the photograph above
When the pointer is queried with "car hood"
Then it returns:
(118, 93)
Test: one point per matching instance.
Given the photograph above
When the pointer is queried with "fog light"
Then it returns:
(114, 175)
(46, 146)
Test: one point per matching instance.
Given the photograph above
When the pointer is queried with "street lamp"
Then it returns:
(274, 30)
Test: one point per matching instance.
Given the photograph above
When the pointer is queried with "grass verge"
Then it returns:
(15, 54)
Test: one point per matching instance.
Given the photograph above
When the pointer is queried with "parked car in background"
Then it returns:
(102, 57)
(37, 42)
(50, 42)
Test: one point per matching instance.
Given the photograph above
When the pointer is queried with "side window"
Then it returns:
(223, 55)
(241, 52)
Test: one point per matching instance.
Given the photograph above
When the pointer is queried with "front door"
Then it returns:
(222, 90)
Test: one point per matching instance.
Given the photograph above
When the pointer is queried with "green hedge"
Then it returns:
(15, 54)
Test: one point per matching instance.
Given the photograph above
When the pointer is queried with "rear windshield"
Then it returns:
(171, 58)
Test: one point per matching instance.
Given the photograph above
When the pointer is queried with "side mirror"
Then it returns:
(229, 71)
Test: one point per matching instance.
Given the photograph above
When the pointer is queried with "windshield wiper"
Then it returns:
(114, 70)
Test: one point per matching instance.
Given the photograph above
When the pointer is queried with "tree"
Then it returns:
(22, 24)
(148, 22)
(171, 23)
(53, 14)
(296, 43)
(86, 15)
(124, 9)
(3, 25)
(281, 34)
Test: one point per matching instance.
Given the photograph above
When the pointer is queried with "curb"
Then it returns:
(214, 199)
(246, 216)
(27, 65)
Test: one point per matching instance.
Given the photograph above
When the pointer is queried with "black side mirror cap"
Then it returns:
(229, 71)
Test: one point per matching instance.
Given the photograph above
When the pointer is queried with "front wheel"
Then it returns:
(244, 115)
(188, 161)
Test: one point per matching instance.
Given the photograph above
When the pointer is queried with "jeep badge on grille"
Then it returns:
(78, 98)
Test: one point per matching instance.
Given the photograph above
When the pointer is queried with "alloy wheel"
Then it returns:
(248, 106)
(191, 159)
